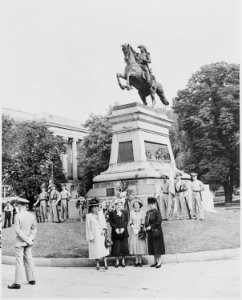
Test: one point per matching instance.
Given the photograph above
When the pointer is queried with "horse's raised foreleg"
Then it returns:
(128, 86)
(119, 82)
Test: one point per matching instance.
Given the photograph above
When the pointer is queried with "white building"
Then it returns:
(71, 130)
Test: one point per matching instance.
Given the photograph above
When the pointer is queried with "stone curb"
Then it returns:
(166, 259)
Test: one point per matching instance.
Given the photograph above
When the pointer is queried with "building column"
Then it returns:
(74, 157)
(64, 159)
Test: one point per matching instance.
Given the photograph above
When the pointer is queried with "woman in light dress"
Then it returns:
(137, 246)
(96, 227)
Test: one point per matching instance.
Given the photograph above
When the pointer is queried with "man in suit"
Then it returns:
(8, 209)
(26, 229)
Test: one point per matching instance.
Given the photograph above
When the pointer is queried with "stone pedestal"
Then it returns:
(141, 152)
(72, 210)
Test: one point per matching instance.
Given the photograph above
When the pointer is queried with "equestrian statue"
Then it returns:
(138, 74)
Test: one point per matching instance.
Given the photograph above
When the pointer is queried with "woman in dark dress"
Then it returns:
(119, 221)
(153, 221)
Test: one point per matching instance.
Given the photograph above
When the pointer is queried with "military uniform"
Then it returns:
(52, 203)
(64, 196)
(26, 229)
(165, 200)
(180, 204)
(43, 197)
(197, 187)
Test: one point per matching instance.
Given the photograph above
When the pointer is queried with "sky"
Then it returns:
(62, 57)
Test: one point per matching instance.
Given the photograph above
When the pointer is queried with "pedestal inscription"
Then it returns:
(125, 152)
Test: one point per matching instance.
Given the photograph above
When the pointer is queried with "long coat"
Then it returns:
(94, 230)
(156, 246)
(120, 241)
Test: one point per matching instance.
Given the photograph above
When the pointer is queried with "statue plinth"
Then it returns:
(141, 152)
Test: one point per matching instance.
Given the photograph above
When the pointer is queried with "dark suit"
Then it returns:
(120, 241)
(156, 246)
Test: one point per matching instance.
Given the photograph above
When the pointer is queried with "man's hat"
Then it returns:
(164, 177)
(136, 200)
(193, 174)
(142, 46)
(19, 200)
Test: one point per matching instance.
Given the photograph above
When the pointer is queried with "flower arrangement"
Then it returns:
(123, 192)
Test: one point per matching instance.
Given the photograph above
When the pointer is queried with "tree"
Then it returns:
(28, 148)
(96, 150)
(208, 113)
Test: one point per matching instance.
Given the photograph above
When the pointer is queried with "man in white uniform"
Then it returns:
(26, 229)
(53, 196)
(165, 199)
(197, 187)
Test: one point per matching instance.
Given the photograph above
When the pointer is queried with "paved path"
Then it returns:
(194, 280)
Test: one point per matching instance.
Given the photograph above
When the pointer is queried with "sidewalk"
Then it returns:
(218, 279)
(166, 259)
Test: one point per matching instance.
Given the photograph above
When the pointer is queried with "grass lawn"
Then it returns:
(218, 231)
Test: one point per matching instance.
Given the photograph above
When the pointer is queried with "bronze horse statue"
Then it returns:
(135, 76)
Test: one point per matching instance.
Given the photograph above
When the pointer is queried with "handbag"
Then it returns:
(155, 233)
(141, 234)
(107, 242)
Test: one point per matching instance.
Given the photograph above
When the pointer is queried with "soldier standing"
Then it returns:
(26, 229)
(165, 200)
(197, 188)
(54, 194)
(64, 196)
(42, 199)
(180, 204)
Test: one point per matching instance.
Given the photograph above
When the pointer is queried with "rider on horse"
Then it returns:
(144, 59)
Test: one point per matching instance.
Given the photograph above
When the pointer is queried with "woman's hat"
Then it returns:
(136, 200)
(119, 200)
(93, 202)
(151, 200)
(193, 174)
(178, 174)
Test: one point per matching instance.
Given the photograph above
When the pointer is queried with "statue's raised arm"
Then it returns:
(138, 74)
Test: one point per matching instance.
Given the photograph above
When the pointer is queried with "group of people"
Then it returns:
(47, 204)
(186, 203)
(136, 234)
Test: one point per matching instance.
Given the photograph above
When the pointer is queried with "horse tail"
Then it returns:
(160, 93)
